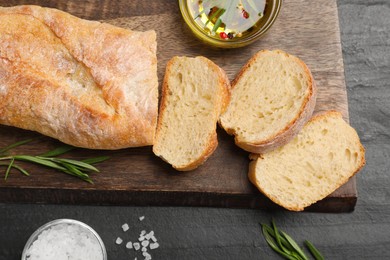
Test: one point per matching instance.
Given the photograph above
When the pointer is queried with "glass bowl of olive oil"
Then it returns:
(229, 23)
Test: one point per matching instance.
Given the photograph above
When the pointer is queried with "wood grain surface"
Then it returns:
(136, 176)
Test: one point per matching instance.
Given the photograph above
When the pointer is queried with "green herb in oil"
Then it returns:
(227, 19)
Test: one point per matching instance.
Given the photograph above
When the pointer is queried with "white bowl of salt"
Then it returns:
(64, 239)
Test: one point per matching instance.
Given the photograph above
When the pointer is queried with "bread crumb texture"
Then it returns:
(269, 94)
(193, 96)
(324, 156)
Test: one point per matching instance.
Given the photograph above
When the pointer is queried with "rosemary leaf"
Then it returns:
(84, 177)
(278, 238)
(77, 173)
(96, 159)
(11, 146)
(79, 164)
(16, 167)
(294, 245)
(314, 251)
(74, 169)
(9, 168)
(284, 242)
(297, 256)
(57, 151)
(271, 242)
(38, 160)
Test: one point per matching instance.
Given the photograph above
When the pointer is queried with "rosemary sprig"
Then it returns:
(11, 146)
(79, 169)
(314, 251)
(285, 245)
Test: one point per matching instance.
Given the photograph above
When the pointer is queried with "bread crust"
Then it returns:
(89, 84)
(213, 140)
(256, 158)
(294, 126)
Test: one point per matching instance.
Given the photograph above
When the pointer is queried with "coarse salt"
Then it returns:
(141, 218)
(125, 227)
(118, 241)
(129, 245)
(145, 243)
(153, 238)
(136, 246)
(154, 245)
(142, 236)
(147, 255)
(149, 235)
(65, 241)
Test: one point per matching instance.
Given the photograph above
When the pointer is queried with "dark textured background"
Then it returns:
(210, 233)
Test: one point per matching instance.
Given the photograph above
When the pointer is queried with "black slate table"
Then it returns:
(214, 233)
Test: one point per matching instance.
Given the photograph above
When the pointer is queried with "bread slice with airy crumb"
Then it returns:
(273, 96)
(195, 91)
(321, 158)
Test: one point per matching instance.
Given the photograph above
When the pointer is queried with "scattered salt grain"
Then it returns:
(154, 245)
(142, 236)
(145, 243)
(125, 227)
(65, 241)
(136, 246)
(129, 245)
(118, 241)
(147, 256)
(149, 235)
(153, 238)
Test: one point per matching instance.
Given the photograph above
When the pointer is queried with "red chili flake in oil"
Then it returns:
(223, 35)
(245, 14)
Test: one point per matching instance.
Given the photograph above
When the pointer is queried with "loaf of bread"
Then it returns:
(321, 158)
(86, 83)
(273, 96)
(195, 91)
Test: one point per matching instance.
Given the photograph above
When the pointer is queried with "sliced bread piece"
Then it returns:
(273, 96)
(195, 91)
(321, 158)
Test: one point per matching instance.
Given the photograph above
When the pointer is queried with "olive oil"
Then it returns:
(228, 19)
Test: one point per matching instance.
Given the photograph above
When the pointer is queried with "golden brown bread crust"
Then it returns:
(290, 130)
(225, 97)
(86, 83)
(275, 199)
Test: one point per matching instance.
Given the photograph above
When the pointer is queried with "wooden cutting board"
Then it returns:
(308, 29)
